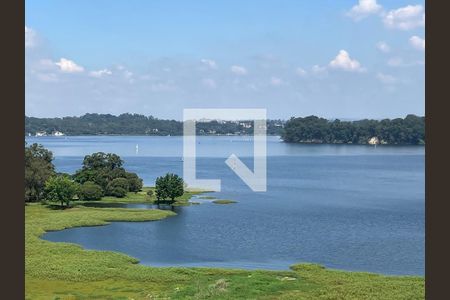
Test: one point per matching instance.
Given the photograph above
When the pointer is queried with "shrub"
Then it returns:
(61, 189)
(90, 191)
(134, 182)
(118, 192)
(118, 187)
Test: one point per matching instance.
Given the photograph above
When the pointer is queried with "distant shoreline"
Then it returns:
(305, 130)
(222, 135)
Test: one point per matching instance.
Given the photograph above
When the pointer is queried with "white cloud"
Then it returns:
(405, 18)
(209, 63)
(238, 70)
(209, 83)
(343, 62)
(417, 42)
(363, 9)
(395, 61)
(386, 78)
(399, 62)
(100, 73)
(30, 37)
(319, 71)
(383, 47)
(168, 86)
(275, 81)
(128, 75)
(68, 66)
(47, 77)
(301, 72)
(44, 64)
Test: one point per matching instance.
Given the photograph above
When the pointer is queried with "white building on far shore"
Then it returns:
(58, 133)
(41, 133)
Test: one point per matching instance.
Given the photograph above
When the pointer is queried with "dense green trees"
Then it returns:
(135, 124)
(118, 187)
(101, 174)
(169, 187)
(312, 129)
(105, 170)
(38, 169)
(90, 191)
(134, 182)
(61, 189)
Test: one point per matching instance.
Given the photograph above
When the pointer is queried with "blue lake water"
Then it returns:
(344, 206)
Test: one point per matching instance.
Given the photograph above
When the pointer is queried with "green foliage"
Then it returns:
(101, 160)
(134, 182)
(407, 131)
(118, 187)
(38, 169)
(103, 169)
(90, 191)
(67, 271)
(61, 189)
(135, 124)
(169, 186)
(224, 201)
(98, 176)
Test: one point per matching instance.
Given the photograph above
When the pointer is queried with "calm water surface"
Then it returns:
(345, 206)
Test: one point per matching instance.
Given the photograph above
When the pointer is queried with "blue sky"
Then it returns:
(345, 59)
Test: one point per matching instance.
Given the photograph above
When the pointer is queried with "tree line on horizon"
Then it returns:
(136, 124)
(312, 129)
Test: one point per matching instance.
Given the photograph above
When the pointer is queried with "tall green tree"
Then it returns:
(38, 169)
(134, 182)
(61, 189)
(101, 160)
(169, 186)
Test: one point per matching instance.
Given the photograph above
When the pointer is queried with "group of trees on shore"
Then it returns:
(409, 130)
(312, 129)
(102, 174)
(135, 124)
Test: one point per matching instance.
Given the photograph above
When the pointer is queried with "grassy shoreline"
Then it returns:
(67, 271)
(224, 201)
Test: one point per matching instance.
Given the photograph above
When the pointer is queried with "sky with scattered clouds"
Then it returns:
(344, 59)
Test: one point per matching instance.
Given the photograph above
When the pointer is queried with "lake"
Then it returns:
(348, 207)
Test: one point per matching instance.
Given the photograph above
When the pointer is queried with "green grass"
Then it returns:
(224, 201)
(142, 197)
(67, 271)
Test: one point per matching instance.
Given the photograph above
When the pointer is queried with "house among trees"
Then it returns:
(58, 133)
(41, 133)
